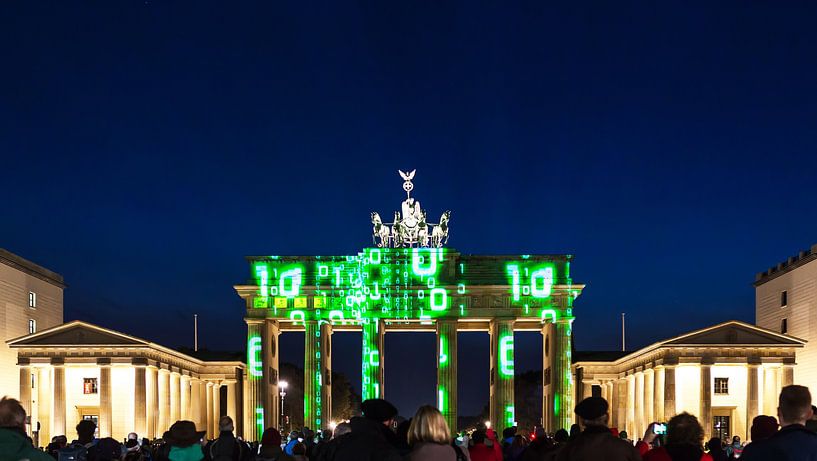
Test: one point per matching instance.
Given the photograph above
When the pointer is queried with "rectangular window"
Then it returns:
(784, 326)
(89, 386)
(32, 299)
(784, 298)
(721, 385)
(32, 326)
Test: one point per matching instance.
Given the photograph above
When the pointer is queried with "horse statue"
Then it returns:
(439, 236)
(422, 230)
(397, 231)
(380, 231)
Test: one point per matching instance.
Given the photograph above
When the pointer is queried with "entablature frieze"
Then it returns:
(144, 357)
(674, 356)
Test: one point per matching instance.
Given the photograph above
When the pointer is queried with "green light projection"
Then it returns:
(254, 361)
(400, 285)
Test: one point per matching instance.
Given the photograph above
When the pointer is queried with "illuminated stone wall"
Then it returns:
(410, 289)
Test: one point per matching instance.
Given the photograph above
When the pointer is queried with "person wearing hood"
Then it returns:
(14, 443)
(372, 438)
(270, 449)
(685, 438)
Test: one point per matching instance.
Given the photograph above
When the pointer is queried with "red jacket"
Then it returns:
(660, 453)
(482, 452)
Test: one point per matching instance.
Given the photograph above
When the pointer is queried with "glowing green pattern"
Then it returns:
(398, 284)
(401, 285)
(254, 361)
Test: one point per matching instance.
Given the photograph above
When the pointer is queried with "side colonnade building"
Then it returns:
(125, 384)
(725, 375)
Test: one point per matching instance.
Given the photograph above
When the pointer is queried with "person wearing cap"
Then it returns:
(372, 438)
(763, 427)
(182, 443)
(270, 449)
(596, 442)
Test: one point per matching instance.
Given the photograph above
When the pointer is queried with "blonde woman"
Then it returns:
(430, 437)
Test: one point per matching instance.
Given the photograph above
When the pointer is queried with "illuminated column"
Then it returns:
(232, 406)
(25, 388)
(649, 397)
(502, 373)
(256, 384)
(447, 371)
(140, 400)
(44, 401)
(669, 391)
(216, 409)
(175, 397)
(195, 402)
(752, 388)
(547, 378)
(621, 397)
(208, 404)
(561, 377)
(769, 391)
(326, 373)
(272, 407)
(105, 415)
(373, 359)
(184, 399)
(788, 375)
(58, 418)
(706, 398)
(152, 375)
(639, 403)
(313, 377)
(164, 400)
(658, 394)
(630, 421)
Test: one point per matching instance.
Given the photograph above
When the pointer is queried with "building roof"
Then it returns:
(732, 333)
(23, 265)
(800, 259)
(79, 334)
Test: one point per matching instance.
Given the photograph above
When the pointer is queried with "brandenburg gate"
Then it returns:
(408, 281)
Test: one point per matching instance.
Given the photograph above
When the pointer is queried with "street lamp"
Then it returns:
(282, 385)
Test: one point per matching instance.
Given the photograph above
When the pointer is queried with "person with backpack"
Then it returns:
(226, 447)
(430, 438)
(14, 442)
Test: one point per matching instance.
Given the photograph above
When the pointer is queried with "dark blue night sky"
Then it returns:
(147, 147)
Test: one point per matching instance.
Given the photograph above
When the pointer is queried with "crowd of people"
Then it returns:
(377, 435)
